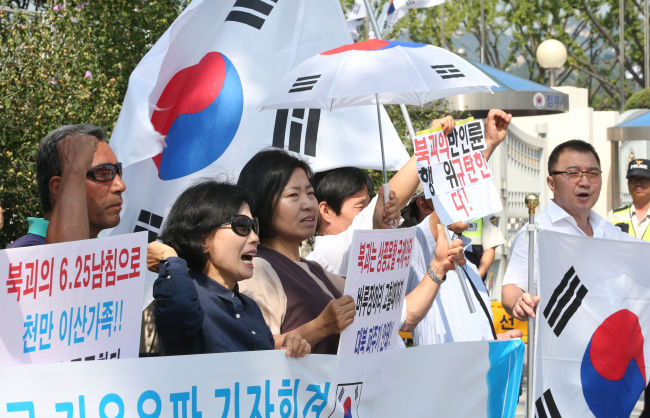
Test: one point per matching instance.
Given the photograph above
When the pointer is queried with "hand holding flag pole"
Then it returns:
(532, 200)
(461, 275)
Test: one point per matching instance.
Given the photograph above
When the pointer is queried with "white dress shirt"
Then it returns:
(554, 218)
(449, 319)
(639, 225)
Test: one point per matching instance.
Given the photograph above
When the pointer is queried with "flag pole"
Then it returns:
(409, 125)
(531, 203)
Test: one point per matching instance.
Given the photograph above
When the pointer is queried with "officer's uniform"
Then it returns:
(485, 234)
(627, 217)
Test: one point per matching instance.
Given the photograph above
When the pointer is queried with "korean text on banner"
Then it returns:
(454, 172)
(76, 301)
(268, 384)
(377, 279)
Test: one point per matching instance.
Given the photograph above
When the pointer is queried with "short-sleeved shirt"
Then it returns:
(554, 218)
(639, 225)
(491, 235)
(35, 234)
(196, 315)
(449, 319)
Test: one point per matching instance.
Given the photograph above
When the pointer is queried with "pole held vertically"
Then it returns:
(621, 52)
(532, 201)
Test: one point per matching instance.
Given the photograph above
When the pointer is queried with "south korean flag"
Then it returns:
(191, 109)
(592, 326)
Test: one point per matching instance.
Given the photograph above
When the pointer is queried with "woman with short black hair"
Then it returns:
(209, 241)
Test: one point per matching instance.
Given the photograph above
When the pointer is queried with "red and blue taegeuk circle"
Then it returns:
(372, 45)
(199, 112)
(613, 367)
(347, 408)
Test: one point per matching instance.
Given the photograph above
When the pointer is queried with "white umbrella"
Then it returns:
(377, 72)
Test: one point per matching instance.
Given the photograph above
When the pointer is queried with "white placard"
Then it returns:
(76, 301)
(474, 379)
(377, 279)
(454, 172)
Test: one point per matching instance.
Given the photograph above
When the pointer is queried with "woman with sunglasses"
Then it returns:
(209, 241)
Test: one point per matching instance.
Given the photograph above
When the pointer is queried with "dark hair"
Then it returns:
(573, 145)
(47, 157)
(266, 175)
(197, 212)
(333, 186)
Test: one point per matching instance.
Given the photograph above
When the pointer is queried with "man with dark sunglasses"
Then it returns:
(80, 186)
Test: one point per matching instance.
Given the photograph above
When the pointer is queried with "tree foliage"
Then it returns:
(640, 100)
(60, 66)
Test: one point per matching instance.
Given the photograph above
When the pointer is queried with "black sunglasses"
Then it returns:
(242, 225)
(105, 172)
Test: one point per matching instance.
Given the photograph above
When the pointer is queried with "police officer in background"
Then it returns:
(486, 236)
(634, 219)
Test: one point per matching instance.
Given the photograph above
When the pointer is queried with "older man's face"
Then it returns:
(578, 196)
(104, 198)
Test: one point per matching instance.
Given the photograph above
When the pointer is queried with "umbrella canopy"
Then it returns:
(515, 95)
(635, 127)
(399, 72)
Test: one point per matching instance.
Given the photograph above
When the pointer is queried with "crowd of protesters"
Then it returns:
(230, 273)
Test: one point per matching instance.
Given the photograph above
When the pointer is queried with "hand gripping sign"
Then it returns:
(454, 172)
(75, 301)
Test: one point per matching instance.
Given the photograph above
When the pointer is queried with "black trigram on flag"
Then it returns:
(246, 17)
(153, 223)
(300, 125)
(561, 297)
(304, 83)
(547, 399)
(448, 71)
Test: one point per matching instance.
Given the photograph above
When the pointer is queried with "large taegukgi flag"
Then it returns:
(200, 86)
(593, 325)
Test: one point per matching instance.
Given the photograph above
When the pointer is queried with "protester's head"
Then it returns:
(575, 176)
(638, 180)
(417, 209)
(341, 193)
(104, 197)
(211, 227)
(284, 197)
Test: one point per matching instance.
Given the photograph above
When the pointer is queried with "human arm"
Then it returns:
(496, 129)
(486, 261)
(178, 311)
(419, 301)
(337, 315)
(518, 303)
(295, 345)
(513, 333)
(69, 218)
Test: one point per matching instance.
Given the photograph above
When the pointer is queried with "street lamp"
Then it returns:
(551, 55)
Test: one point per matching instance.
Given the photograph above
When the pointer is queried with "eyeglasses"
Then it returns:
(105, 172)
(643, 181)
(576, 175)
(242, 225)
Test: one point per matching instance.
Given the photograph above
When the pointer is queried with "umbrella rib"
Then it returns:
(417, 71)
(329, 93)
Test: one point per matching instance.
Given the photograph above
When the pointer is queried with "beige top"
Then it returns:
(266, 289)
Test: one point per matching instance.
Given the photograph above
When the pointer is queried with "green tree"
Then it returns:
(63, 65)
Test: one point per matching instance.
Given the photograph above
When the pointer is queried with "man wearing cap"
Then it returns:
(634, 219)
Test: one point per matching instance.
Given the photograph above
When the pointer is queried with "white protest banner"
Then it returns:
(75, 301)
(474, 379)
(377, 278)
(593, 326)
(454, 172)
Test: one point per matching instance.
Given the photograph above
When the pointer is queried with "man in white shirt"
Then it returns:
(575, 180)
